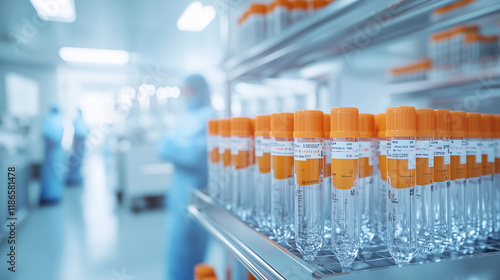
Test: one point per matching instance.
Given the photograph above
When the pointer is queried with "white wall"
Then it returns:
(46, 77)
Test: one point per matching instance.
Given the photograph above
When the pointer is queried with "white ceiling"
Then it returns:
(146, 28)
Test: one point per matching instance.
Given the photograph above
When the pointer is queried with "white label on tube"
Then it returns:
(345, 150)
(425, 149)
(403, 149)
(282, 148)
(212, 142)
(489, 150)
(442, 149)
(382, 147)
(327, 150)
(497, 148)
(240, 144)
(308, 150)
(459, 148)
(224, 144)
(262, 146)
(474, 149)
(366, 150)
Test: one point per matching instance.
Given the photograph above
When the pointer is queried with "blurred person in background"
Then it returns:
(185, 147)
(54, 165)
(78, 151)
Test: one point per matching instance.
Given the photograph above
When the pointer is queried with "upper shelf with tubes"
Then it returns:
(345, 28)
(461, 83)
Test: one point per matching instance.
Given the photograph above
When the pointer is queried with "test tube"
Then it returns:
(401, 164)
(213, 160)
(496, 199)
(442, 192)
(280, 17)
(282, 185)
(298, 10)
(251, 194)
(472, 190)
(308, 154)
(457, 38)
(327, 181)
(224, 128)
(424, 189)
(344, 133)
(471, 52)
(458, 159)
(488, 171)
(241, 159)
(367, 192)
(263, 172)
(383, 187)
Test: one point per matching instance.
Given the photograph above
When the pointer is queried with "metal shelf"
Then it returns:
(265, 259)
(462, 83)
(345, 28)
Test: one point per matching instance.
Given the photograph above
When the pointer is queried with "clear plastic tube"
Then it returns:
(472, 191)
(297, 15)
(383, 188)
(280, 19)
(345, 200)
(424, 196)
(263, 180)
(487, 190)
(376, 213)
(367, 192)
(242, 175)
(327, 190)
(458, 158)
(282, 188)
(251, 194)
(496, 199)
(442, 195)
(309, 225)
(225, 169)
(213, 167)
(401, 228)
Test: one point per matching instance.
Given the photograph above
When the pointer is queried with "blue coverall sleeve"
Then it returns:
(185, 152)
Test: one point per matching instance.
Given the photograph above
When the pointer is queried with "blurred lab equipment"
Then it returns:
(78, 151)
(14, 153)
(54, 164)
(142, 177)
(185, 147)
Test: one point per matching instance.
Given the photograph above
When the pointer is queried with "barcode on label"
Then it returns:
(282, 148)
(309, 150)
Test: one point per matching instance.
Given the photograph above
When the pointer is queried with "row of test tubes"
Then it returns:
(420, 180)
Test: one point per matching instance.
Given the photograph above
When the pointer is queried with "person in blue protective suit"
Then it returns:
(78, 151)
(185, 147)
(54, 166)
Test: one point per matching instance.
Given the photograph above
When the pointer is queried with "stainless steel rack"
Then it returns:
(461, 83)
(347, 27)
(266, 259)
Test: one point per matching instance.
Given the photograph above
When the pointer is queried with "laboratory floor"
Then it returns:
(88, 236)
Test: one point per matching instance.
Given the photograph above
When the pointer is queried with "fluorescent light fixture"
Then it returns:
(147, 89)
(55, 10)
(95, 56)
(196, 17)
(175, 92)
